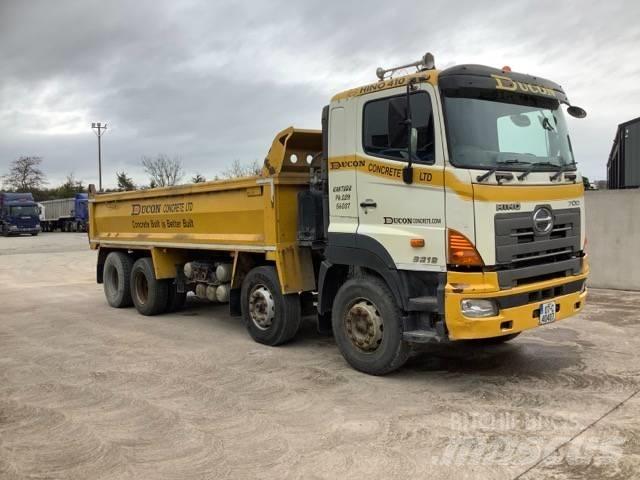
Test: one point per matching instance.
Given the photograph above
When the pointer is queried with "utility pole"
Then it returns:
(99, 129)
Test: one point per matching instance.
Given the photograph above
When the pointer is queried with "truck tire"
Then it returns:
(175, 300)
(367, 326)
(116, 277)
(149, 295)
(271, 317)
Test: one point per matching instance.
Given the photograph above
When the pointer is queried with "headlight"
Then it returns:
(478, 308)
(13, 227)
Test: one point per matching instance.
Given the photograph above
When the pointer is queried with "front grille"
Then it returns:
(520, 248)
(518, 243)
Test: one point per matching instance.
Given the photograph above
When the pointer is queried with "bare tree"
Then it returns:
(239, 169)
(25, 174)
(197, 178)
(162, 170)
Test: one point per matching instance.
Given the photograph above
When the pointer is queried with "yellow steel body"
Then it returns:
(461, 286)
(252, 214)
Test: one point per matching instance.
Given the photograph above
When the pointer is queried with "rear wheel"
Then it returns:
(149, 295)
(116, 276)
(367, 326)
(270, 317)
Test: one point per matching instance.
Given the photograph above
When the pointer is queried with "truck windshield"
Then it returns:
(522, 131)
(23, 210)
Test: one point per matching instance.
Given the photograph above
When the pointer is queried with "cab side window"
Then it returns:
(386, 135)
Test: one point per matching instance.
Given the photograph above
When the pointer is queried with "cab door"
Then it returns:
(390, 211)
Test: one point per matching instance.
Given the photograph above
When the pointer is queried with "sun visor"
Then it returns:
(478, 77)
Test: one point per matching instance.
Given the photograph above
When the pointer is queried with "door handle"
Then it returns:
(368, 203)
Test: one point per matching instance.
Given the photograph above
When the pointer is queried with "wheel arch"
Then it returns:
(243, 263)
(347, 252)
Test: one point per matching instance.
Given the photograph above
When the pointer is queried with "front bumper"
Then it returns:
(16, 230)
(512, 319)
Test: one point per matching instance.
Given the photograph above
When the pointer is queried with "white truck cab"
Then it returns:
(467, 204)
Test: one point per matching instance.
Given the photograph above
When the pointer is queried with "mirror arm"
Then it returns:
(407, 171)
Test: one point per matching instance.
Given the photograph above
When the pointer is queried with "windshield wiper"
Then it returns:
(524, 174)
(561, 169)
(546, 124)
(499, 165)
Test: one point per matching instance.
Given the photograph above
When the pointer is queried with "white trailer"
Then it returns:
(60, 215)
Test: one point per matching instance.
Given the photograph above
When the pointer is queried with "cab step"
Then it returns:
(420, 336)
(423, 304)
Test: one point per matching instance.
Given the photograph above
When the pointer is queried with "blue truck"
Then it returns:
(65, 214)
(18, 214)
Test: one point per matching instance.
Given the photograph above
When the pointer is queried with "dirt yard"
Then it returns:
(90, 392)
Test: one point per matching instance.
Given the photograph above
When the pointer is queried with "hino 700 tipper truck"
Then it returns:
(438, 205)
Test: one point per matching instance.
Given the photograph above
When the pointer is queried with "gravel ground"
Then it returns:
(91, 392)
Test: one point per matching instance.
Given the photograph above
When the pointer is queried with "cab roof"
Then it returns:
(430, 76)
(481, 76)
(470, 75)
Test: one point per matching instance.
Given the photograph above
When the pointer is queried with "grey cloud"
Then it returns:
(213, 82)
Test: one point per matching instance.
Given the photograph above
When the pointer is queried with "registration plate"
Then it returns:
(547, 313)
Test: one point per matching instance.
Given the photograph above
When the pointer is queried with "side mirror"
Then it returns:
(414, 140)
(576, 112)
(396, 121)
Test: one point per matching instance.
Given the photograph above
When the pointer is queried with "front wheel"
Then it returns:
(367, 326)
(271, 317)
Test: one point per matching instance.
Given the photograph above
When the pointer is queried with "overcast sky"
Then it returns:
(212, 82)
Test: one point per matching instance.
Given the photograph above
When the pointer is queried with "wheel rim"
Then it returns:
(364, 325)
(262, 307)
(142, 288)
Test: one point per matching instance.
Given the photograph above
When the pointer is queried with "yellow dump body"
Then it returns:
(251, 214)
